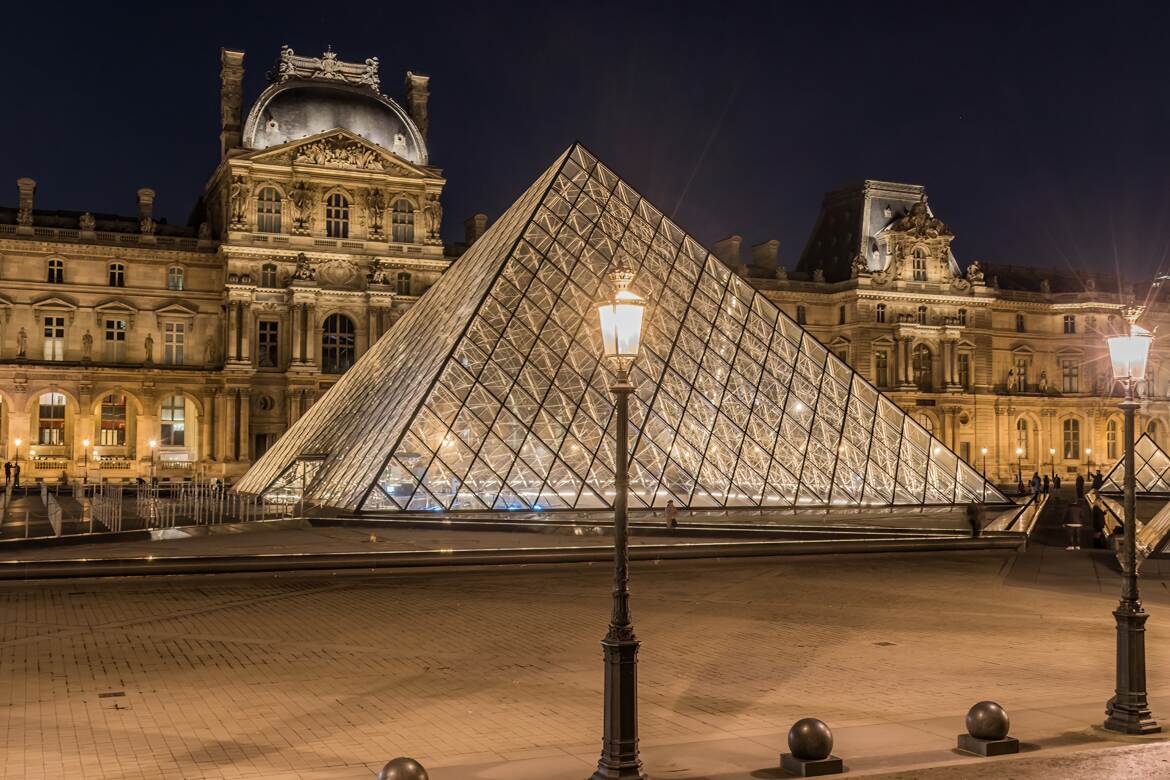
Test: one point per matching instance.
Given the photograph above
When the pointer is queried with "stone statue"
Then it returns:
(860, 266)
(238, 200)
(781, 273)
(22, 343)
(86, 222)
(301, 197)
(1043, 381)
(146, 226)
(211, 353)
(204, 231)
(149, 349)
(86, 345)
(975, 272)
(1045, 286)
(1011, 379)
(819, 275)
(304, 270)
(376, 206)
(379, 272)
(434, 215)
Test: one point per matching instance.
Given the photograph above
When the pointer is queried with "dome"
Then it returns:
(292, 110)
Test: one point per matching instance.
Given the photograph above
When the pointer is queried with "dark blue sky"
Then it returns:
(1041, 131)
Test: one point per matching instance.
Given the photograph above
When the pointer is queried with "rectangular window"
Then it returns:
(965, 370)
(174, 338)
(174, 278)
(268, 344)
(841, 315)
(1070, 372)
(1020, 323)
(113, 421)
(1072, 439)
(54, 338)
(51, 419)
(881, 313)
(117, 275)
(172, 419)
(801, 315)
(1021, 381)
(919, 268)
(115, 341)
(1070, 323)
(881, 368)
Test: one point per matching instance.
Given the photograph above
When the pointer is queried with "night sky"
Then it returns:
(1042, 132)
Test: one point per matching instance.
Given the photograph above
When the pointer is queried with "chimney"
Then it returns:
(146, 211)
(24, 216)
(766, 256)
(474, 227)
(417, 93)
(231, 76)
(727, 250)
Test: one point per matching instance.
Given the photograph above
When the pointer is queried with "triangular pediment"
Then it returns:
(116, 306)
(176, 309)
(54, 302)
(490, 393)
(339, 149)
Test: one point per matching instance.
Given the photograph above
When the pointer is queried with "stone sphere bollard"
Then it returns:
(987, 720)
(403, 768)
(810, 739)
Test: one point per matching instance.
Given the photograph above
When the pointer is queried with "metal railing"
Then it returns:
(52, 509)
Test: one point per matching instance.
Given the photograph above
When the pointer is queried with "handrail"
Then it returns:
(1023, 519)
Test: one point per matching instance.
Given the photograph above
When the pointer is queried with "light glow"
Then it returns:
(1129, 354)
(621, 325)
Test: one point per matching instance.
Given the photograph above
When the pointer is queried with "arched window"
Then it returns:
(403, 283)
(51, 419)
(56, 270)
(925, 421)
(1072, 439)
(174, 278)
(880, 313)
(117, 275)
(338, 344)
(921, 315)
(337, 216)
(923, 362)
(268, 275)
(112, 431)
(173, 421)
(268, 210)
(919, 265)
(402, 222)
(1111, 440)
(1022, 437)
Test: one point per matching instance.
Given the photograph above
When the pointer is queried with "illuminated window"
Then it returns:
(1070, 372)
(173, 421)
(1072, 439)
(403, 284)
(1022, 436)
(174, 278)
(402, 222)
(174, 339)
(112, 432)
(115, 341)
(338, 344)
(881, 368)
(1021, 380)
(56, 270)
(54, 338)
(923, 363)
(1111, 440)
(919, 265)
(117, 275)
(337, 216)
(51, 419)
(268, 208)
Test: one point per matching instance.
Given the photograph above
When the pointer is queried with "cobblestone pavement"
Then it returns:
(329, 676)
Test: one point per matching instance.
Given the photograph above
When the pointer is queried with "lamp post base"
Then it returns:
(619, 748)
(1129, 710)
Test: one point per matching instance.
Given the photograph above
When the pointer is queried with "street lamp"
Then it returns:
(983, 450)
(1089, 455)
(153, 444)
(85, 475)
(18, 441)
(1052, 460)
(1019, 464)
(621, 338)
(1129, 709)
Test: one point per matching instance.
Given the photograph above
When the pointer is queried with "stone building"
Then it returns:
(129, 345)
(994, 359)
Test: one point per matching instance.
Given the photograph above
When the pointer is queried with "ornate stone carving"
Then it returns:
(379, 272)
(301, 197)
(781, 273)
(1045, 286)
(819, 275)
(86, 222)
(146, 226)
(204, 231)
(238, 201)
(326, 67)
(920, 223)
(304, 271)
(975, 272)
(376, 209)
(339, 274)
(86, 346)
(434, 218)
(340, 153)
(959, 284)
(860, 266)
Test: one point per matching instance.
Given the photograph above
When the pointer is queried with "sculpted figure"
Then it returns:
(86, 221)
(975, 272)
(149, 349)
(86, 345)
(22, 343)
(238, 202)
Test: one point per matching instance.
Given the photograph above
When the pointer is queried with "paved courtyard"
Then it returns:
(329, 676)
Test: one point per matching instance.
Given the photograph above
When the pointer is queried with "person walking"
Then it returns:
(1099, 539)
(1055, 482)
(16, 475)
(1035, 483)
(1074, 519)
(1080, 487)
(671, 515)
(975, 518)
(1047, 484)
(7, 472)
(1098, 480)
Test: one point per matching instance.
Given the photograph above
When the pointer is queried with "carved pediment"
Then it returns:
(340, 149)
(176, 309)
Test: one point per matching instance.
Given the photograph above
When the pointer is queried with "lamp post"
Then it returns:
(1020, 464)
(1089, 455)
(1129, 709)
(1052, 461)
(85, 474)
(16, 479)
(153, 445)
(621, 336)
(983, 451)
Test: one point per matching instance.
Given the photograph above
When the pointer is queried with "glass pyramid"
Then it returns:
(489, 393)
(1152, 469)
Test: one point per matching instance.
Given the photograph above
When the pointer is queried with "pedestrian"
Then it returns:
(975, 518)
(1080, 487)
(1020, 487)
(1047, 485)
(1056, 482)
(1035, 483)
(7, 472)
(1073, 520)
(671, 515)
(1099, 539)
(16, 475)
(1098, 480)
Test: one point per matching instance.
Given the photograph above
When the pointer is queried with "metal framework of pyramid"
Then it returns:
(1151, 470)
(490, 394)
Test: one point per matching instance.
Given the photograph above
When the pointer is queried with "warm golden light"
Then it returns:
(152, 443)
(1129, 354)
(1019, 451)
(85, 442)
(621, 316)
(983, 450)
(18, 442)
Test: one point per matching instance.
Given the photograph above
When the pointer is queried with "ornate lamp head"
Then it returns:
(621, 318)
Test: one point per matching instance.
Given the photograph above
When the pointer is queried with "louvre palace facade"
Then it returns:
(129, 345)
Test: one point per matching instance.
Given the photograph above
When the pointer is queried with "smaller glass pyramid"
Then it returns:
(1151, 469)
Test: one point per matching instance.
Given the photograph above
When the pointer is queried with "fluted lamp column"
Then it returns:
(1129, 710)
(621, 336)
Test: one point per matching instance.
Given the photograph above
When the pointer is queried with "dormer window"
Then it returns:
(337, 216)
(919, 265)
(56, 270)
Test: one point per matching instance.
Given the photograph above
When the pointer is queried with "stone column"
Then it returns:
(222, 418)
(205, 428)
(311, 335)
(245, 430)
(247, 331)
(233, 318)
(296, 316)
